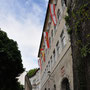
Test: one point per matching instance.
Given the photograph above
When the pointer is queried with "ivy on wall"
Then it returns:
(75, 20)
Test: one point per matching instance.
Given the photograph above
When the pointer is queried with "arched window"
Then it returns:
(65, 84)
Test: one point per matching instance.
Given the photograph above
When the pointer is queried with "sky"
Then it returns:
(23, 22)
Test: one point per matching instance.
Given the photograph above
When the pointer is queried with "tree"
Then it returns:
(10, 63)
(32, 72)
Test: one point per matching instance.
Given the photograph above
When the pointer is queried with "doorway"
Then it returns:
(65, 84)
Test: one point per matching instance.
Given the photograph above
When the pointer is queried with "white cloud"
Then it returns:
(46, 2)
(26, 33)
(28, 2)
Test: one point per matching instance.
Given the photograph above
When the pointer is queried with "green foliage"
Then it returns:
(10, 62)
(85, 50)
(77, 23)
(79, 42)
(69, 31)
(67, 19)
(88, 35)
(77, 16)
(32, 72)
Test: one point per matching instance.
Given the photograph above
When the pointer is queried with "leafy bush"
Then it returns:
(32, 72)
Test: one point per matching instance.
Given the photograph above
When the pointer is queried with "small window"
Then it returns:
(54, 87)
(54, 54)
(55, 2)
(45, 71)
(46, 52)
(64, 3)
(52, 33)
(51, 61)
(47, 68)
(59, 15)
(50, 42)
(48, 65)
(50, 19)
(58, 47)
(63, 41)
(48, 28)
(55, 29)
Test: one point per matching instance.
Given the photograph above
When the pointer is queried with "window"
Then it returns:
(50, 42)
(55, 2)
(63, 41)
(48, 28)
(46, 53)
(55, 28)
(54, 54)
(64, 3)
(51, 61)
(57, 47)
(34, 81)
(50, 19)
(48, 65)
(41, 59)
(45, 72)
(54, 87)
(47, 68)
(49, 23)
(52, 35)
(59, 15)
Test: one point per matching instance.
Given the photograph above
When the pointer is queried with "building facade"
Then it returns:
(57, 70)
(35, 80)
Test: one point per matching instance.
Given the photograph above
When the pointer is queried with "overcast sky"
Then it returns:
(23, 21)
